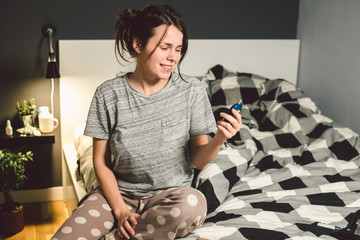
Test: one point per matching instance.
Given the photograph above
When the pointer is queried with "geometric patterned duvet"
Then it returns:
(287, 170)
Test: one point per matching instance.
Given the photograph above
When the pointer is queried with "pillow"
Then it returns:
(78, 131)
(226, 87)
(84, 148)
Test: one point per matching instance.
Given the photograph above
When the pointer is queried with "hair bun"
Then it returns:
(128, 15)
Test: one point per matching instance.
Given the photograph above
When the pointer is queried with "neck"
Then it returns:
(145, 84)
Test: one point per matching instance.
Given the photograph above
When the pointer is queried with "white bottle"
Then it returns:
(8, 128)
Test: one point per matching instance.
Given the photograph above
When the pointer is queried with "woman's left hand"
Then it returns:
(228, 129)
(202, 152)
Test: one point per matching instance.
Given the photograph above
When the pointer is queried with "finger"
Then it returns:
(119, 233)
(234, 119)
(123, 232)
(129, 228)
(232, 131)
(224, 131)
(133, 221)
(227, 126)
(236, 114)
(238, 117)
(227, 117)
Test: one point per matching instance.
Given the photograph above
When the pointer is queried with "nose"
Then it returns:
(172, 55)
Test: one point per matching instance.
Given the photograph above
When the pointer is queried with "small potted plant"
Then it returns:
(12, 176)
(26, 110)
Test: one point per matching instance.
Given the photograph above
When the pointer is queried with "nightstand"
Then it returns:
(39, 172)
(17, 141)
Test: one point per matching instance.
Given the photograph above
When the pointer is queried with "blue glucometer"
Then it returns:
(237, 106)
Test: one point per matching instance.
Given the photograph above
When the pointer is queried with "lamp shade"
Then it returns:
(52, 70)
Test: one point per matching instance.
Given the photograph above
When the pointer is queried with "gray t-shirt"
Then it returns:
(149, 134)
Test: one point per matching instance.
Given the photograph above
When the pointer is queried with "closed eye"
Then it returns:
(166, 46)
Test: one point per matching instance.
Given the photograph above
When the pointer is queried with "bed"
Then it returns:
(290, 173)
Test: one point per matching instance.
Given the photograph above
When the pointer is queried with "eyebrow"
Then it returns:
(170, 44)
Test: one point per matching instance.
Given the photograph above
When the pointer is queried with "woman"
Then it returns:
(154, 123)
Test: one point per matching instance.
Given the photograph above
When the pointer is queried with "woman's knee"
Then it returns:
(92, 219)
(193, 202)
(189, 206)
(173, 213)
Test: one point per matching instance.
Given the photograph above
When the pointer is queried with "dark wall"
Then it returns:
(330, 58)
(24, 49)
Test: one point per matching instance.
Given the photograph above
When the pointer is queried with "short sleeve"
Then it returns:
(98, 123)
(202, 117)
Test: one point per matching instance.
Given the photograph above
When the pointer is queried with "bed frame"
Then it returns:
(84, 64)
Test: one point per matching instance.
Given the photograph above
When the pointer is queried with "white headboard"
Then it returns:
(84, 64)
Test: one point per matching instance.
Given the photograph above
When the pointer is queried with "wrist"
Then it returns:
(218, 140)
(119, 210)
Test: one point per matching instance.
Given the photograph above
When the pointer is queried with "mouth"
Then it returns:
(167, 68)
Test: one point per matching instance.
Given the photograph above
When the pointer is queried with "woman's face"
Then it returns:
(162, 53)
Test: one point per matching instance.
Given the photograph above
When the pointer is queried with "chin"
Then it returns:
(165, 75)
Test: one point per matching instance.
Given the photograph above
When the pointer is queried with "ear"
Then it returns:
(136, 45)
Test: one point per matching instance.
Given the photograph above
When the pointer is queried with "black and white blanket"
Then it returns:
(291, 172)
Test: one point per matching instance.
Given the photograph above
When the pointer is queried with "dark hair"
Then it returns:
(139, 24)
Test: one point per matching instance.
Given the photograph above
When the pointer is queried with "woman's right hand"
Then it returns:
(127, 221)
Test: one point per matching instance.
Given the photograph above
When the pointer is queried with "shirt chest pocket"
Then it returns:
(175, 130)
